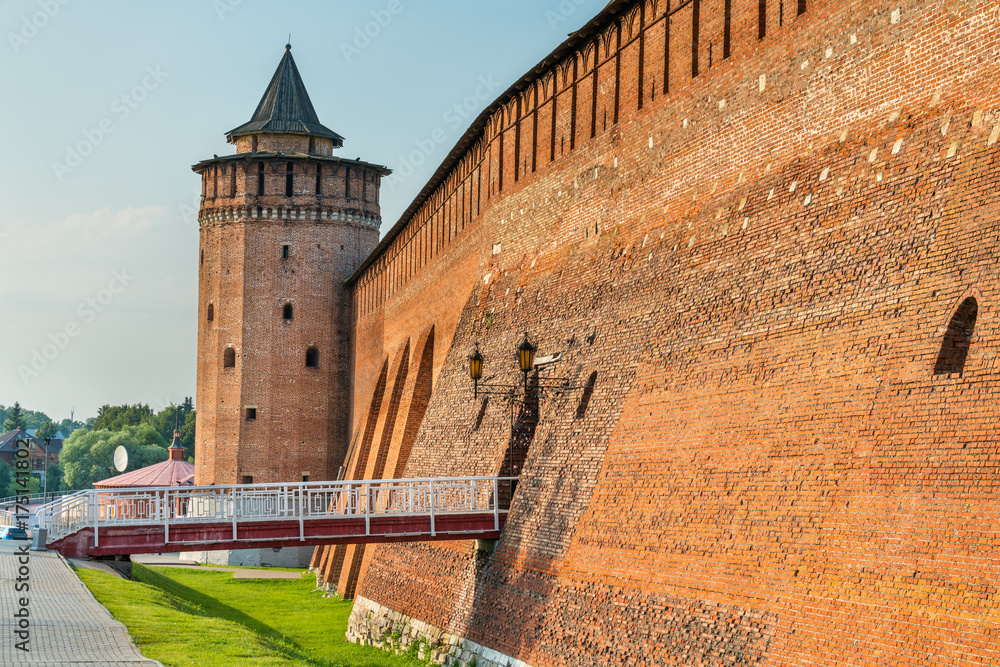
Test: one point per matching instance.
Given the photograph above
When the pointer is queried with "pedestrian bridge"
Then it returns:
(105, 522)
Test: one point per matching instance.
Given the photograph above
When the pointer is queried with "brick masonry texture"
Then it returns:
(748, 233)
(329, 223)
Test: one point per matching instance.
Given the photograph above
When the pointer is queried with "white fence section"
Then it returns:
(302, 502)
(7, 518)
(33, 499)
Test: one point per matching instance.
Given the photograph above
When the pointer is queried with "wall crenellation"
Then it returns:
(772, 283)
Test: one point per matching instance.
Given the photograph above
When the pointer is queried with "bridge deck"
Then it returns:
(105, 522)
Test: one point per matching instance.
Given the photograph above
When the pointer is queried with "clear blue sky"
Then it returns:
(107, 104)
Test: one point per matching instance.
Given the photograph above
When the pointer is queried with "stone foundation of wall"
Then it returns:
(282, 557)
(373, 624)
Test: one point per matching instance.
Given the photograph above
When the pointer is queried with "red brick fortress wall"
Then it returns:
(751, 259)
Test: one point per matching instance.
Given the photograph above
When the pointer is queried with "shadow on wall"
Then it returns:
(524, 423)
(482, 413)
(528, 592)
(588, 391)
(955, 347)
(393, 420)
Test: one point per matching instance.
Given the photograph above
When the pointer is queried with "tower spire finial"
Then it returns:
(285, 107)
(288, 46)
(176, 449)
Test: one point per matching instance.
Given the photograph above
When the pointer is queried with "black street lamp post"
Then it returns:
(45, 470)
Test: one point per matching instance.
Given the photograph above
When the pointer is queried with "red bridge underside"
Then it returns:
(121, 540)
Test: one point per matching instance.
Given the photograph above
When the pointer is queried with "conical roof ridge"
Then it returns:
(286, 108)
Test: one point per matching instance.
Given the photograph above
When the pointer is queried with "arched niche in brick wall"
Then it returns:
(957, 338)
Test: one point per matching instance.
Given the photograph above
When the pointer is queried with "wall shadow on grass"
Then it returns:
(197, 603)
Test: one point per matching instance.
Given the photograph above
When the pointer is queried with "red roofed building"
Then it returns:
(175, 471)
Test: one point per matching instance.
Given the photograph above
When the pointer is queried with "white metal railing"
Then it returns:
(11, 501)
(302, 502)
(7, 518)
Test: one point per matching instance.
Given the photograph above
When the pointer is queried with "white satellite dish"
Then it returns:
(121, 459)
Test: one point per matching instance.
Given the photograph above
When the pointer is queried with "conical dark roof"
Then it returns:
(286, 108)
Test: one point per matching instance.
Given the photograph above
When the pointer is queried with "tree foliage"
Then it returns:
(88, 456)
(9, 486)
(55, 482)
(26, 419)
(14, 419)
(117, 417)
(46, 430)
(6, 478)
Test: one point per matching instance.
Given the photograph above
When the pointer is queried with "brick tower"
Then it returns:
(283, 223)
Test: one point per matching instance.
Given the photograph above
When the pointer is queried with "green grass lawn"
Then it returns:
(194, 618)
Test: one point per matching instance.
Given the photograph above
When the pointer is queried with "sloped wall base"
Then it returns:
(373, 624)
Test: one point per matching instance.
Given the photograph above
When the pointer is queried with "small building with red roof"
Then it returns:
(175, 471)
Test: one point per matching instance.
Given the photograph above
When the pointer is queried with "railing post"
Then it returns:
(433, 528)
(302, 525)
(166, 517)
(368, 502)
(233, 510)
(94, 508)
(496, 506)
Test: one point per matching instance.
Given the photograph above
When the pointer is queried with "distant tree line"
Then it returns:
(15, 416)
(88, 451)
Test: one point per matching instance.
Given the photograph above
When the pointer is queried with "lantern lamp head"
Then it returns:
(476, 364)
(526, 355)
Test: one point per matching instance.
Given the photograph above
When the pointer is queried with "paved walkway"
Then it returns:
(67, 626)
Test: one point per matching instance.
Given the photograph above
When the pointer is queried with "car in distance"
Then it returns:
(12, 533)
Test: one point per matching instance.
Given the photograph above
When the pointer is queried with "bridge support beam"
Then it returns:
(342, 533)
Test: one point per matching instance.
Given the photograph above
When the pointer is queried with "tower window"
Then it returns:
(285, 251)
(247, 479)
(319, 179)
(229, 358)
(286, 311)
(761, 19)
(802, 7)
(289, 179)
(955, 347)
(251, 414)
(312, 357)
(211, 312)
(253, 144)
(201, 260)
(260, 179)
(312, 145)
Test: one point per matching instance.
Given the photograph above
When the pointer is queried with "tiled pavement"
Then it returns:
(68, 627)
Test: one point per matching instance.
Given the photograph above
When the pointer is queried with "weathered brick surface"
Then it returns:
(753, 274)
